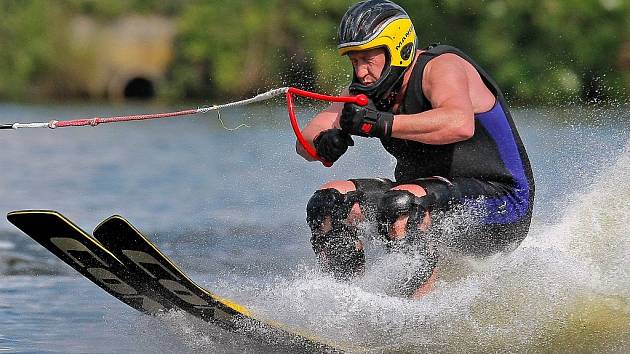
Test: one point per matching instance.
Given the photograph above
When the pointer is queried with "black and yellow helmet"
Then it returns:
(379, 24)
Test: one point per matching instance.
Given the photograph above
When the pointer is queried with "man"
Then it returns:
(448, 126)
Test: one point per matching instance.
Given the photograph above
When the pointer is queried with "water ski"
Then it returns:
(124, 263)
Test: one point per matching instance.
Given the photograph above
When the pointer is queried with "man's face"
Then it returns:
(368, 64)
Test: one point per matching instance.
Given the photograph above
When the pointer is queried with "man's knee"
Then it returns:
(334, 241)
(414, 189)
(341, 186)
(402, 211)
(334, 203)
(409, 207)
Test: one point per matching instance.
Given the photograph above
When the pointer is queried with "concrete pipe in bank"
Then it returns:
(132, 87)
(125, 58)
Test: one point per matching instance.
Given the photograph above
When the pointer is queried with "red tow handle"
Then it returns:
(361, 100)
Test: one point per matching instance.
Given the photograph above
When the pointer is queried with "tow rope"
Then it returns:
(361, 100)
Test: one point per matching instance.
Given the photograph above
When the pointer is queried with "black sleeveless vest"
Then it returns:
(478, 157)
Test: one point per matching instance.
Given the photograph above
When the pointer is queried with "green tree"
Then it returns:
(540, 51)
(240, 47)
(31, 45)
(552, 50)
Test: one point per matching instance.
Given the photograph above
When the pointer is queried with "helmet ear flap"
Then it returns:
(406, 51)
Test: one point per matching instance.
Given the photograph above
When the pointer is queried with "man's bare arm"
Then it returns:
(445, 84)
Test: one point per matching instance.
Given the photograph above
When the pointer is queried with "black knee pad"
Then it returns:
(336, 250)
(330, 202)
(396, 203)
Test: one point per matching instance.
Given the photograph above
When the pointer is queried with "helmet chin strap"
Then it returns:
(386, 103)
(384, 91)
(385, 100)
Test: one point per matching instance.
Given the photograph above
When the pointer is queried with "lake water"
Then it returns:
(228, 207)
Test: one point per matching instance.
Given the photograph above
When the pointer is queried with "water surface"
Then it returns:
(229, 208)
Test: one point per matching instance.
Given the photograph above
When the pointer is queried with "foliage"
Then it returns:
(570, 47)
(31, 42)
(540, 51)
(239, 47)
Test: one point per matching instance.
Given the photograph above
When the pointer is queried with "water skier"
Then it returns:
(447, 124)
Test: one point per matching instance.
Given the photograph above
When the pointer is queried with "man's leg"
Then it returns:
(489, 216)
(333, 213)
(404, 218)
(404, 223)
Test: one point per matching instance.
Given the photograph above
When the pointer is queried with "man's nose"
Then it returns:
(361, 71)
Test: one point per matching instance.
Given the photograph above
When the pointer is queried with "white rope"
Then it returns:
(30, 125)
(242, 125)
(260, 97)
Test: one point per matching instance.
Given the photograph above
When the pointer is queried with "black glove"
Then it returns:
(332, 143)
(366, 121)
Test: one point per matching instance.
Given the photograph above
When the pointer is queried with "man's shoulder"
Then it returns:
(446, 62)
(447, 59)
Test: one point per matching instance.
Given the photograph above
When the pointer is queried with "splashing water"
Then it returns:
(566, 287)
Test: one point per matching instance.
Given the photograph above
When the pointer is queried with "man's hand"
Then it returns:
(366, 121)
(332, 143)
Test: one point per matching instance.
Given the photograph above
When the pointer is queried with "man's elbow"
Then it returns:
(465, 130)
